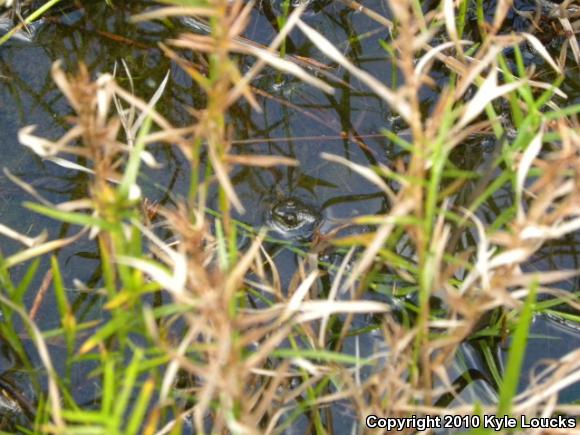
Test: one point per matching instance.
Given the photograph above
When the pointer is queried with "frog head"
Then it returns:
(292, 218)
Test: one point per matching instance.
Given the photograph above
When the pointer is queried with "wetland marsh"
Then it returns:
(375, 216)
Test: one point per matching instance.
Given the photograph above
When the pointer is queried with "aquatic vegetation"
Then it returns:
(201, 324)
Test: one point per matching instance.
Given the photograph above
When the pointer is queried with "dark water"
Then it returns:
(297, 121)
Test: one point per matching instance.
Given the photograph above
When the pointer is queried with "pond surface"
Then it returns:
(297, 121)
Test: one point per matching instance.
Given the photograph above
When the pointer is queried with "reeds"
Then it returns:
(223, 344)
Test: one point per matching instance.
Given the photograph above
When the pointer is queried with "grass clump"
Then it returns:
(198, 330)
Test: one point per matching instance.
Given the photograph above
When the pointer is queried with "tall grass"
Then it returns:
(197, 330)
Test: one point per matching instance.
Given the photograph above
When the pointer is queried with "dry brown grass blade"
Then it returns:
(261, 161)
(474, 70)
(539, 47)
(287, 67)
(401, 208)
(396, 101)
(21, 238)
(174, 279)
(222, 175)
(528, 157)
(278, 335)
(356, 6)
(364, 171)
(27, 187)
(569, 30)
(449, 14)
(173, 11)
(256, 68)
(276, 281)
(304, 138)
(555, 231)
(173, 367)
(236, 275)
(434, 52)
(489, 91)
(46, 148)
(297, 299)
(502, 9)
(319, 309)
(41, 249)
(333, 293)
(568, 374)
(40, 295)
(145, 108)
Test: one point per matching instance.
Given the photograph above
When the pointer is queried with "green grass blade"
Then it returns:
(509, 385)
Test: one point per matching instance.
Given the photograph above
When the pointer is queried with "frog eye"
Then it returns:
(291, 219)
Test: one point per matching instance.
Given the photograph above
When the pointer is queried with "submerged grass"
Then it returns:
(199, 330)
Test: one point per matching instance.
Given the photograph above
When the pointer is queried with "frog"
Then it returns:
(292, 218)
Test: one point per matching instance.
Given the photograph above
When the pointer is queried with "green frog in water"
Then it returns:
(292, 218)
